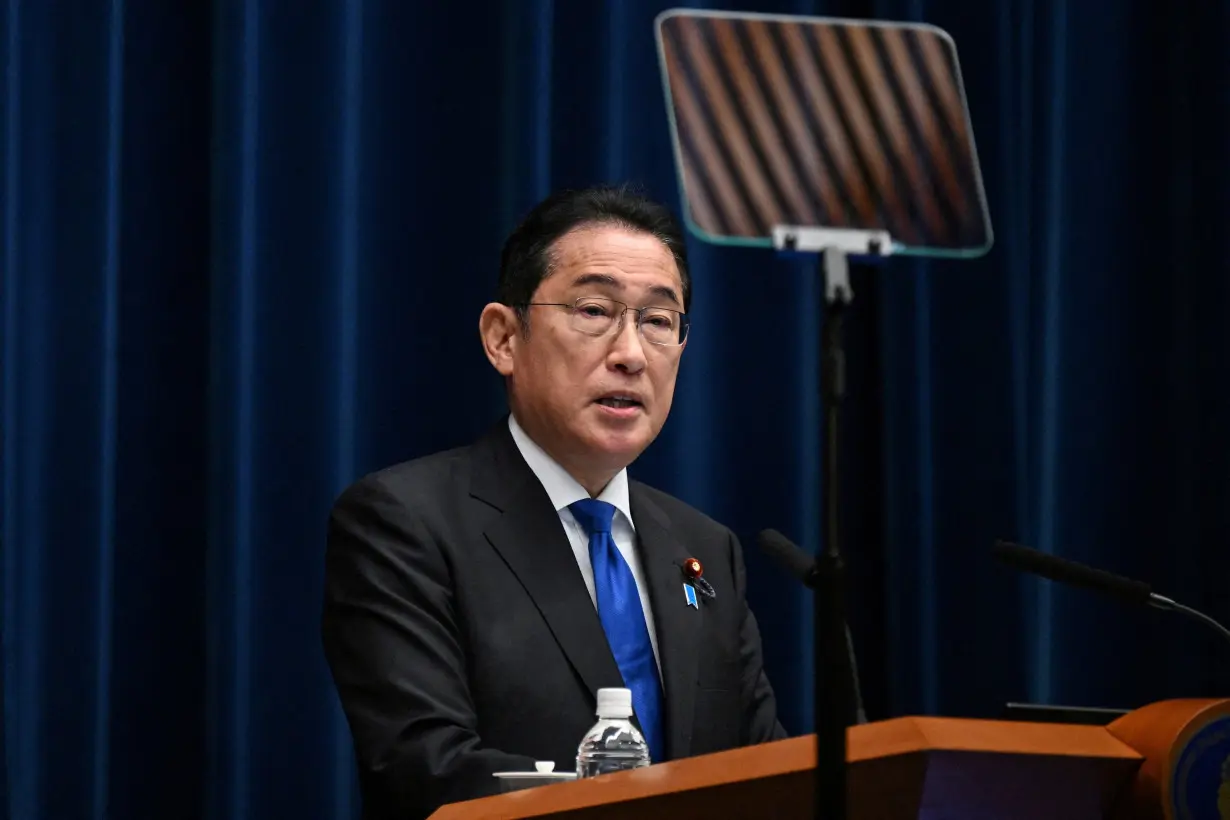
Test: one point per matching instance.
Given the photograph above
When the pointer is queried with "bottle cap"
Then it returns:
(614, 703)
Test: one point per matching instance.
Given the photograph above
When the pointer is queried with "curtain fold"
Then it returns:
(1062, 390)
(245, 245)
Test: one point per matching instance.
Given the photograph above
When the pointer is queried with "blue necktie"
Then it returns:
(619, 609)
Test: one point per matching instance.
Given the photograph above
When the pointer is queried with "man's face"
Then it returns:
(568, 388)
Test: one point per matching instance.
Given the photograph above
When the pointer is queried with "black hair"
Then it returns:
(525, 260)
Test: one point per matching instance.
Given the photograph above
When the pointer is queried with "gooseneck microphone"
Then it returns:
(832, 693)
(802, 565)
(1073, 573)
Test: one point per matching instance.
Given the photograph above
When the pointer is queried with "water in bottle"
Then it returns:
(614, 743)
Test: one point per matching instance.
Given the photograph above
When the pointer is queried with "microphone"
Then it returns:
(831, 693)
(790, 556)
(1073, 573)
(799, 563)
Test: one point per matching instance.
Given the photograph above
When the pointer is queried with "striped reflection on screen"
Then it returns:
(781, 121)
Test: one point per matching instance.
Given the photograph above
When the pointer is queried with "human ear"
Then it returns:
(498, 329)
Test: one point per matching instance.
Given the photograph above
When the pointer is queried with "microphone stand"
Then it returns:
(832, 675)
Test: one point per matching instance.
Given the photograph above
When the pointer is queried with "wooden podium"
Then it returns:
(1137, 767)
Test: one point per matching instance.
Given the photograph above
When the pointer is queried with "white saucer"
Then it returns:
(536, 775)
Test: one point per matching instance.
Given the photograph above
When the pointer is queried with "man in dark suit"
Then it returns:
(477, 599)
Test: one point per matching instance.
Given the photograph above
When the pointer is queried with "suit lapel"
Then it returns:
(678, 625)
(530, 538)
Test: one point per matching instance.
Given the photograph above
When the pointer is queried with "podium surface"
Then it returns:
(916, 767)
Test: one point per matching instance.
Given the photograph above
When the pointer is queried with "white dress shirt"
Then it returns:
(563, 490)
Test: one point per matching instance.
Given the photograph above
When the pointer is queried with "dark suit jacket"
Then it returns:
(463, 641)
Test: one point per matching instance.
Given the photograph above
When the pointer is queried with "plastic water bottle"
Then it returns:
(614, 743)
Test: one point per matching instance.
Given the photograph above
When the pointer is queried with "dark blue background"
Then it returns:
(245, 246)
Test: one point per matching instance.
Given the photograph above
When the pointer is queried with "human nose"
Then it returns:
(627, 348)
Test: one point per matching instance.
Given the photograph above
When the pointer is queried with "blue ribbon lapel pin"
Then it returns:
(694, 581)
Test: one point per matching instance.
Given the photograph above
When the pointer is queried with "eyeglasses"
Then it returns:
(595, 316)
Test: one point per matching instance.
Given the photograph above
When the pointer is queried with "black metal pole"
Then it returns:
(832, 679)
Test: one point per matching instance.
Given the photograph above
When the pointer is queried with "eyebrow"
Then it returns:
(611, 282)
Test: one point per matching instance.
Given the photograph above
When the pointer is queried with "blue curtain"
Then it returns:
(1070, 390)
(244, 250)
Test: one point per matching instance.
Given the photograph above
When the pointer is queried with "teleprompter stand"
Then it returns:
(842, 139)
(833, 690)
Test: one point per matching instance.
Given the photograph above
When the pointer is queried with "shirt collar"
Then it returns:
(561, 487)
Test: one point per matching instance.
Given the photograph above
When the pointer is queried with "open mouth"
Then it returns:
(618, 402)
